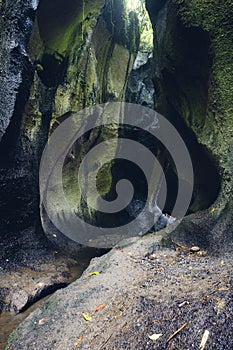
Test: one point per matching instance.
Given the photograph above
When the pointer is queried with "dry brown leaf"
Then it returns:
(119, 314)
(180, 245)
(221, 303)
(99, 307)
(77, 342)
(42, 321)
(223, 289)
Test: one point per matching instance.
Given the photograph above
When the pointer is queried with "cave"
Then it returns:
(80, 64)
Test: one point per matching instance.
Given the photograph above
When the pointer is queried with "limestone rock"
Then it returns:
(19, 300)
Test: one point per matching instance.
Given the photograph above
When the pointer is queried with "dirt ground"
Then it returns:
(140, 290)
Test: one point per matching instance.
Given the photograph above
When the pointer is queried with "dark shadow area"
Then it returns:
(56, 15)
(51, 69)
(185, 76)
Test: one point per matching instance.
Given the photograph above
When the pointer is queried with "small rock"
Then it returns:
(19, 300)
(194, 249)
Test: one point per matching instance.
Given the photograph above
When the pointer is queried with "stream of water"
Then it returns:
(9, 320)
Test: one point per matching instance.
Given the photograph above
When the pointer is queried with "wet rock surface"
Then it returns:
(30, 269)
(141, 289)
(21, 288)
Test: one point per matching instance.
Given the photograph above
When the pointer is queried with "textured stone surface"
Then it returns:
(64, 59)
(142, 290)
(193, 83)
(19, 300)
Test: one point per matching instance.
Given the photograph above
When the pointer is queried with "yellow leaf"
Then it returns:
(94, 273)
(87, 317)
(54, 235)
(99, 307)
(213, 210)
(155, 336)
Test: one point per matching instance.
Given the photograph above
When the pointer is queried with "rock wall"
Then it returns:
(69, 56)
(16, 75)
(192, 75)
(58, 58)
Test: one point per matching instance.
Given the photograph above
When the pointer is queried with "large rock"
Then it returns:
(19, 300)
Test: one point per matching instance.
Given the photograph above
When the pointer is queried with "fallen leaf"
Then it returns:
(177, 332)
(178, 245)
(202, 253)
(42, 321)
(155, 336)
(220, 305)
(119, 314)
(77, 342)
(194, 249)
(223, 263)
(99, 307)
(87, 317)
(54, 235)
(204, 340)
(94, 273)
(183, 304)
(223, 289)
(213, 210)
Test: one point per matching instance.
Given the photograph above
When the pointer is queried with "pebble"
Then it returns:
(19, 300)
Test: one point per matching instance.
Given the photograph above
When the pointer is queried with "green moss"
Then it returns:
(50, 305)
(10, 341)
(60, 22)
(215, 17)
(104, 179)
(118, 72)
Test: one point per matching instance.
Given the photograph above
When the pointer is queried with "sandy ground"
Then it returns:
(141, 290)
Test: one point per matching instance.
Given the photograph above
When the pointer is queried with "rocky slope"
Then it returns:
(141, 289)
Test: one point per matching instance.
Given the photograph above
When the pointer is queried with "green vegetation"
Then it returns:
(10, 340)
(60, 22)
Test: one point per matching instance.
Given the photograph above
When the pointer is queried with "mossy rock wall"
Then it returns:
(70, 54)
(193, 78)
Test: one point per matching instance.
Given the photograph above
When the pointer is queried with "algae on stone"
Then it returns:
(193, 78)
